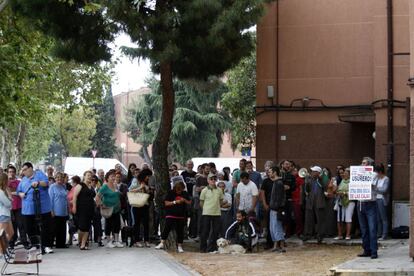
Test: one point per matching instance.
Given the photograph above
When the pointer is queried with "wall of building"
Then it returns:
(336, 52)
(122, 101)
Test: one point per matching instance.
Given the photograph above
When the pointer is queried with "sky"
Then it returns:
(129, 75)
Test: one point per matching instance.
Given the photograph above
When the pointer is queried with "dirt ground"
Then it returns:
(308, 259)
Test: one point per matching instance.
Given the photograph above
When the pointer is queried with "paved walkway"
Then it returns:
(103, 261)
(393, 260)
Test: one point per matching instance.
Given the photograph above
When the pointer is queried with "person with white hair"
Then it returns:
(226, 215)
(315, 204)
(367, 217)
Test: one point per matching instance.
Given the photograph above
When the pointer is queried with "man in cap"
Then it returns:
(211, 199)
(315, 204)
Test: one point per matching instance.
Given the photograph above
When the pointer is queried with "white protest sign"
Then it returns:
(360, 182)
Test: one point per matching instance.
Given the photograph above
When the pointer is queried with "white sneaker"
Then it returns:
(160, 246)
(119, 244)
(110, 244)
(48, 250)
(180, 249)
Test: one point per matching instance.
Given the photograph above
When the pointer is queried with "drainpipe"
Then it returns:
(277, 86)
(390, 97)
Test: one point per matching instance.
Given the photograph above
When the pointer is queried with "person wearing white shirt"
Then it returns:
(5, 207)
(382, 190)
(246, 194)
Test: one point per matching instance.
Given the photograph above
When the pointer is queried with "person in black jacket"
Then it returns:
(289, 181)
(278, 213)
(242, 231)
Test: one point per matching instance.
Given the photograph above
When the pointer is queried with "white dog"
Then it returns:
(224, 247)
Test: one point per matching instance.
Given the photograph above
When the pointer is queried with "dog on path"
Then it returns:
(224, 247)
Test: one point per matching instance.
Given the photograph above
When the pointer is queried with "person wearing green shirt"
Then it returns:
(108, 196)
(237, 172)
(345, 207)
(211, 199)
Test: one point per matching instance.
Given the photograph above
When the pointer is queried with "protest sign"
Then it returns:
(360, 182)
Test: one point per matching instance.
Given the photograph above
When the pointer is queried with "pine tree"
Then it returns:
(103, 141)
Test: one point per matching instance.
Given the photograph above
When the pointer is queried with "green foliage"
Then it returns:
(33, 84)
(199, 38)
(104, 140)
(240, 100)
(38, 139)
(198, 123)
(75, 130)
(82, 35)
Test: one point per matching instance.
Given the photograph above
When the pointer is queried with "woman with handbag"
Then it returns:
(83, 208)
(344, 207)
(108, 199)
(141, 214)
(277, 211)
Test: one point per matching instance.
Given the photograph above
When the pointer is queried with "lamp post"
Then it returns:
(94, 152)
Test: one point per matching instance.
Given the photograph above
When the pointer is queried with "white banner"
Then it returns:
(360, 182)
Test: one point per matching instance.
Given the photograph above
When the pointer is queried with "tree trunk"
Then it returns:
(4, 147)
(18, 146)
(147, 158)
(160, 145)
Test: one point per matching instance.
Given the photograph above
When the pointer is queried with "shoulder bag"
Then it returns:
(106, 212)
(138, 199)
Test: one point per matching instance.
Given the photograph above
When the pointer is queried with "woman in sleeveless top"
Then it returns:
(83, 208)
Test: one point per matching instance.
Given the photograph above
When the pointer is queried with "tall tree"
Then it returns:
(198, 124)
(185, 39)
(103, 141)
(240, 100)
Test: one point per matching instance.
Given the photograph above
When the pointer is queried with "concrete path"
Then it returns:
(392, 260)
(104, 261)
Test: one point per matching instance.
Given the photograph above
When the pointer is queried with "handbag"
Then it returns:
(106, 212)
(137, 199)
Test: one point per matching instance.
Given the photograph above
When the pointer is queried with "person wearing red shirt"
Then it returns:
(16, 211)
(297, 202)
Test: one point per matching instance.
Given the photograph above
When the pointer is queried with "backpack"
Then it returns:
(400, 232)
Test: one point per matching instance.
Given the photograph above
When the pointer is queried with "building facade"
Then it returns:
(323, 85)
(128, 149)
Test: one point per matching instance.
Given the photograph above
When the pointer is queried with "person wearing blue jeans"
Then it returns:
(382, 183)
(367, 216)
(382, 219)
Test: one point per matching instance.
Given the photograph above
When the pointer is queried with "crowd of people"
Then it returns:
(242, 206)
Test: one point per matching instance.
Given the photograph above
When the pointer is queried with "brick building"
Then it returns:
(322, 84)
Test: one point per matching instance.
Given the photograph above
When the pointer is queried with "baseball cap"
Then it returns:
(210, 175)
(316, 169)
